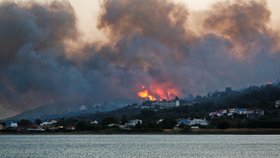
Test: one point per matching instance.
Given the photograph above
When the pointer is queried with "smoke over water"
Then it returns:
(151, 49)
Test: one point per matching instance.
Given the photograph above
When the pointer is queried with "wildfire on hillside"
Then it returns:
(158, 92)
(145, 94)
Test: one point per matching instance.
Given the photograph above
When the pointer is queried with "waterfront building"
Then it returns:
(13, 125)
(134, 122)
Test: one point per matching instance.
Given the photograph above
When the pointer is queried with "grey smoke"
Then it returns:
(150, 44)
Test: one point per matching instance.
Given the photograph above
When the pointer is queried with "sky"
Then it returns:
(93, 51)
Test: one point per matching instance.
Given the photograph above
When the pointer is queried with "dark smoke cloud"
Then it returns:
(245, 24)
(237, 48)
(159, 20)
(246, 49)
(33, 68)
(149, 37)
(150, 44)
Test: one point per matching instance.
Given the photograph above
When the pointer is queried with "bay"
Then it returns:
(139, 146)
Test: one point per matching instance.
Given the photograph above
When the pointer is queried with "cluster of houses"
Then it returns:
(167, 103)
(249, 113)
(194, 123)
(12, 125)
(54, 126)
(47, 125)
(128, 125)
(160, 104)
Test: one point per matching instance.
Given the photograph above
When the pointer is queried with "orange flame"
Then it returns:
(158, 92)
(145, 94)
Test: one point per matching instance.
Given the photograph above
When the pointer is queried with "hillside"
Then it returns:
(65, 110)
(261, 97)
(258, 97)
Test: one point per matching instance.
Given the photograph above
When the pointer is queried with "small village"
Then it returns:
(124, 124)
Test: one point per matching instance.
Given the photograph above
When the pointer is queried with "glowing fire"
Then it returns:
(145, 94)
(158, 92)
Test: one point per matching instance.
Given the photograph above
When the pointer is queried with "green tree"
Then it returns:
(124, 119)
(24, 123)
(223, 125)
(82, 126)
(182, 126)
(108, 120)
(38, 121)
(168, 123)
(146, 114)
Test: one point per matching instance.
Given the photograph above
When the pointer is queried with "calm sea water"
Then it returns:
(134, 146)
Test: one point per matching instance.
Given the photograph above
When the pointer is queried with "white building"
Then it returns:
(113, 125)
(241, 111)
(94, 122)
(167, 104)
(159, 121)
(231, 112)
(277, 103)
(13, 125)
(134, 122)
(201, 122)
(39, 129)
(70, 128)
(177, 103)
(46, 123)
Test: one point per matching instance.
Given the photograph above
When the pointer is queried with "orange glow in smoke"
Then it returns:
(145, 94)
(158, 92)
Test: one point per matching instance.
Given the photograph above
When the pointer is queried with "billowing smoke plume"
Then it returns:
(33, 69)
(245, 25)
(238, 48)
(150, 46)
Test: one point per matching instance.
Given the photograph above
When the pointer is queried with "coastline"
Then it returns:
(230, 131)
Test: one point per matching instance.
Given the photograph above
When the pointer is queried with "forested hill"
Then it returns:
(261, 97)
(252, 97)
